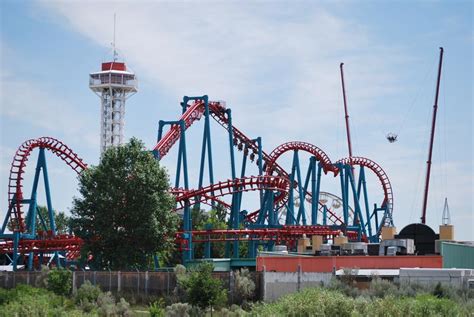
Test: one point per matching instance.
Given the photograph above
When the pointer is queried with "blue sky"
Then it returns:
(275, 64)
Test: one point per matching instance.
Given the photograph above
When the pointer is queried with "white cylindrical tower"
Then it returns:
(114, 84)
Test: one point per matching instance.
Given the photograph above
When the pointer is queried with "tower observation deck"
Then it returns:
(114, 84)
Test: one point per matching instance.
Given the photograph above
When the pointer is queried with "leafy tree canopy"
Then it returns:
(61, 220)
(125, 213)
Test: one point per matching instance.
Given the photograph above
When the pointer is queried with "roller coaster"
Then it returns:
(290, 203)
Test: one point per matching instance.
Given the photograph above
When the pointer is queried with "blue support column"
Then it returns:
(363, 184)
(301, 193)
(16, 240)
(290, 214)
(47, 190)
(187, 209)
(325, 215)
(8, 216)
(345, 206)
(357, 208)
(315, 200)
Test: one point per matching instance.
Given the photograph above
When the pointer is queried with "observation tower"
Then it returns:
(114, 84)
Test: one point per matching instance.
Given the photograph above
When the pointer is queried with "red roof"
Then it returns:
(114, 66)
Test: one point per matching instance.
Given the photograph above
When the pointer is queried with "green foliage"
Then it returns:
(178, 310)
(61, 221)
(325, 302)
(381, 288)
(41, 279)
(125, 205)
(60, 281)
(234, 311)
(86, 296)
(202, 290)
(203, 220)
(29, 301)
(157, 309)
(244, 285)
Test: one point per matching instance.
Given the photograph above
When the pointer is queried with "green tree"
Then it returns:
(61, 220)
(203, 220)
(125, 213)
(203, 290)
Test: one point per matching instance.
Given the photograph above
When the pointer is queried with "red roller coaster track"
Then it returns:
(45, 242)
(232, 186)
(382, 176)
(15, 187)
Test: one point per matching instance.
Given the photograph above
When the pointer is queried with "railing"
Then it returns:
(112, 79)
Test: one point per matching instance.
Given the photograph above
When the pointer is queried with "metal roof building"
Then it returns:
(458, 254)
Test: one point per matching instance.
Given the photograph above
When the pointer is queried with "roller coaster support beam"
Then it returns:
(345, 206)
(315, 176)
(362, 186)
(301, 211)
(206, 139)
(290, 214)
(358, 219)
(325, 215)
(182, 161)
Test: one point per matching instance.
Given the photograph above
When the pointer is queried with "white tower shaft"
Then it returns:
(113, 114)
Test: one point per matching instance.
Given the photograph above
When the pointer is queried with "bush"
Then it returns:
(107, 306)
(156, 309)
(28, 301)
(202, 289)
(244, 285)
(381, 288)
(324, 302)
(178, 310)
(86, 296)
(60, 281)
(234, 311)
(42, 279)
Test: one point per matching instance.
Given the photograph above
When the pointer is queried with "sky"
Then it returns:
(275, 63)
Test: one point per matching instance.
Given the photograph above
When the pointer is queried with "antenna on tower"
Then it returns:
(113, 43)
(446, 214)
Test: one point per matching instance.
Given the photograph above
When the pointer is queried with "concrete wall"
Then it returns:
(455, 277)
(278, 284)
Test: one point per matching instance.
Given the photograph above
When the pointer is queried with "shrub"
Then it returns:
(60, 281)
(88, 292)
(123, 308)
(28, 301)
(156, 309)
(178, 310)
(234, 311)
(86, 296)
(244, 285)
(42, 279)
(106, 304)
(381, 288)
(202, 289)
